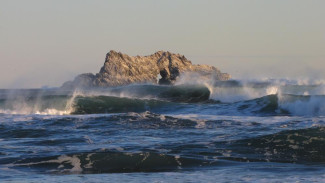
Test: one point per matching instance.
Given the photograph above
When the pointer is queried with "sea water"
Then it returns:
(229, 131)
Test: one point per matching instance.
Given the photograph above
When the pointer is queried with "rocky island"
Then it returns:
(161, 67)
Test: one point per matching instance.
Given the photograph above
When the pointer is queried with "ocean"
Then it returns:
(225, 131)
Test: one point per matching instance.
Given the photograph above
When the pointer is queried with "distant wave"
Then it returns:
(285, 104)
(109, 104)
(233, 97)
(134, 98)
(234, 91)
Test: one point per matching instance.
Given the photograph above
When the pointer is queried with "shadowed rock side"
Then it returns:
(120, 69)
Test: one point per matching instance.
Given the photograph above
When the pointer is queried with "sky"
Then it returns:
(47, 42)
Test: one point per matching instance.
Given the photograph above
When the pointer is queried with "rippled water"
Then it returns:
(228, 132)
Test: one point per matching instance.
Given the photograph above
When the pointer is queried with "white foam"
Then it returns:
(265, 120)
(314, 105)
(90, 163)
(74, 161)
(20, 105)
(53, 112)
(236, 94)
(27, 111)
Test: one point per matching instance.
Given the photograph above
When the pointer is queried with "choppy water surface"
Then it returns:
(225, 132)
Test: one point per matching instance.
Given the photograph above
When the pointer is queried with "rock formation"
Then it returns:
(121, 69)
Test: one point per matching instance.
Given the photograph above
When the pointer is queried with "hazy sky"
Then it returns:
(46, 42)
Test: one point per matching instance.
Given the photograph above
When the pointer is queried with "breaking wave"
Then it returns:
(285, 104)
(134, 98)
(234, 97)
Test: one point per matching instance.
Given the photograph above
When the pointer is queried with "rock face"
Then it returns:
(120, 69)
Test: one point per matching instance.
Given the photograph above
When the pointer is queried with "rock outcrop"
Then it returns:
(120, 69)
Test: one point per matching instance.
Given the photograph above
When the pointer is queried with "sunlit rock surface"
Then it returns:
(120, 69)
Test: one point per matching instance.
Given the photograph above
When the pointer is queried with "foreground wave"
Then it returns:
(110, 143)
